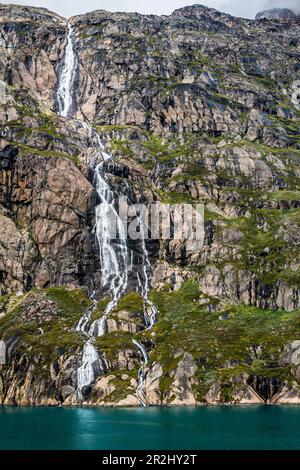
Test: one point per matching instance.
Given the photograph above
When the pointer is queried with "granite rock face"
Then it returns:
(197, 108)
(276, 14)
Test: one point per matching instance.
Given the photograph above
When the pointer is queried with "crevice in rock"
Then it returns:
(265, 387)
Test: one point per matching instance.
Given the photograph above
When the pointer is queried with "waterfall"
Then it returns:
(143, 284)
(65, 92)
(140, 390)
(116, 258)
(86, 372)
(92, 363)
(117, 264)
(84, 321)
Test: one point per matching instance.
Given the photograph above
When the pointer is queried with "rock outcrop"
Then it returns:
(196, 107)
(276, 14)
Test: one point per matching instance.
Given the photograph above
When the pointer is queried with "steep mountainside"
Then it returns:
(195, 107)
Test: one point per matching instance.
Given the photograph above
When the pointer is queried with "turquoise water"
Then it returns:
(261, 427)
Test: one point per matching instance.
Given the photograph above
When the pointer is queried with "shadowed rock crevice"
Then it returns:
(266, 388)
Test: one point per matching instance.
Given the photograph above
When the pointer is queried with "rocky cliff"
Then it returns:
(195, 107)
(276, 14)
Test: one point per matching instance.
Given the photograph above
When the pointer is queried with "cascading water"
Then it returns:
(92, 363)
(84, 321)
(116, 258)
(143, 285)
(65, 92)
(140, 390)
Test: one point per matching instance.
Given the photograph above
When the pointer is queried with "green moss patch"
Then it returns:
(250, 341)
(111, 344)
(53, 336)
(132, 302)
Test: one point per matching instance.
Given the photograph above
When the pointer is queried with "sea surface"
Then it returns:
(253, 427)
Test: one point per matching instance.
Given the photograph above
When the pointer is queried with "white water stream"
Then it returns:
(140, 390)
(116, 258)
(67, 77)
